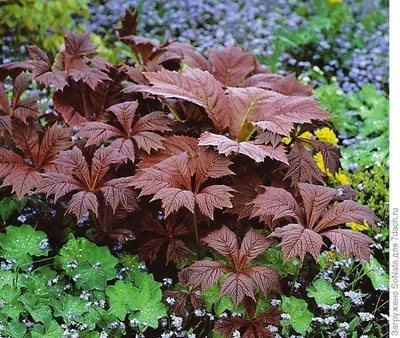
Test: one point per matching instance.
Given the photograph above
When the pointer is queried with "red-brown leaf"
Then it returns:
(278, 116)
(214, 197)
(236, 286)
(347, 211)
(289, 86)
(253, 244)
(174, 198)
(22, 180)
(316, 198)
(297, 241)
(276, 202)
(246, 189)
(231, 64)
(302, 167)
(76, 48)
(81, 203)
(206, 273)
(58, 184)
(42, 71)
(350, 242)
(227, 146)
(267, 279)
(97, 132)
(224, 241)
(196, 86)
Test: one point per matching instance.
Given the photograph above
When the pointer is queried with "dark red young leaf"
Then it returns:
(246, 187)
(330, 154)
(243, 280)
(231, 64)
(185, 294)
(20, 109)
(128, 23)
(345, 192)
(169, 235)
(42, 71)
(254, 327)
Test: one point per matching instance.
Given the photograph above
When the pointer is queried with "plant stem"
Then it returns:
(196, 233)
(295, 278)
(173, 112)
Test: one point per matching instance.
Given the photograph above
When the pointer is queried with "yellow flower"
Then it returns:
(319, 160)
(342, 178)
(307, 135)
(326, 135)
(331, 255)
(335, 1)
(358, 227)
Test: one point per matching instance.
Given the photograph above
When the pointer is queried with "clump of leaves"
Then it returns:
(218, 141)
(243, 278)
(170, 235)
(23, 173)
(78, 290)
(254, 325)
(315, 219)
(91, 182)
(179, 182)
(142, 132)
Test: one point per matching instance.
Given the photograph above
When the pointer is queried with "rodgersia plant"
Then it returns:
(205, 164)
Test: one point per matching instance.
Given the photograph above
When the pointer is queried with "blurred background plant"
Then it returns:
(24, 22)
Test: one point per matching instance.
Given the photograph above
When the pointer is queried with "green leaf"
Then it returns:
(15, 329)
(147, 303)
(21, 243)
(273, 258)
(39, 311)
(323, 292)
(11, 204)
(96, 265)
(11, 305)
(50, 330)
(211, 298)
(373, 270)
(69, 307)
(300, 317)
(121, 296)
